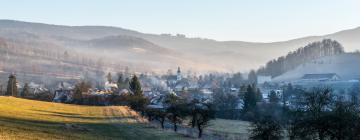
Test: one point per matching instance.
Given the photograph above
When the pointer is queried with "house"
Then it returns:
(206, 91)
(63, 96)
(36, 88)
(65, 85)
(234, 90)
(63, 93)
(157, 100)
(171, 80)
(110, 86)
(181, 85)
(320, 77)
(193, 85)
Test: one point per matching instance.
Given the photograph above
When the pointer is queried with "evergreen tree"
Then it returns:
(235, 81)
(109, 77)
(136, 99)
(25, 92)
(12, 87)
(79, 89)
(1, 90)
(259, 96)
(135, 86)
(77, 98)
(249, 99)
(120, 81)
(288, 90)
(252, 78)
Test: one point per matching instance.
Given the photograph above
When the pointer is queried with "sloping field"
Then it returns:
(345, 65)
(22, 119)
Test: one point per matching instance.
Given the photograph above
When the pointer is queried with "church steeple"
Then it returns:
(178, 76)
(178, 71)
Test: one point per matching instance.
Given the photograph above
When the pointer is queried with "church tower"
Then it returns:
(178, 76)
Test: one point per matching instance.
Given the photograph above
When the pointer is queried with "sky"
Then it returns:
(224, 20)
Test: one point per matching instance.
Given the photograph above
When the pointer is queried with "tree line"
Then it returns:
(134, 98)
(238, 105)
(326, 47)
(317, 114)
(177, 110)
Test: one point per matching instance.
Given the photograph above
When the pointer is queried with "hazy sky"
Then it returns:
(245, 20)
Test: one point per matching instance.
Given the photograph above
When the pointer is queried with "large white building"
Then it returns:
(320, 77)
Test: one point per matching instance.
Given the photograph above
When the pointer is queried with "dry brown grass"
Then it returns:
(29, 120)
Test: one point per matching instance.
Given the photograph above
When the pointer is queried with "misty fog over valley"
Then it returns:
(49, 61)
(72, 52)
(142, 51)
(180, 70)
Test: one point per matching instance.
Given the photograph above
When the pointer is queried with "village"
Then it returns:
(179, 70)
(185, 85)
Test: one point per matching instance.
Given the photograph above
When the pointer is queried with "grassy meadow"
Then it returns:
(35, 120)
(230, 126)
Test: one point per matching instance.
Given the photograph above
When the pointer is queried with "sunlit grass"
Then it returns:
(27, 119)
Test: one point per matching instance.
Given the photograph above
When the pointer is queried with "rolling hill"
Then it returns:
(160, 52)
(35, 120)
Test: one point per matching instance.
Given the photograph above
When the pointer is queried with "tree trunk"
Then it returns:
(200, 131)
(193, 121)
(321, 135)
(174, 121)
(162, 122)
(175, 127)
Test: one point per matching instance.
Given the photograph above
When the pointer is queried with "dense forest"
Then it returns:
(326, 47)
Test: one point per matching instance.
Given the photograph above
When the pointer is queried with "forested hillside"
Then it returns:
(312, 51)
(44, 62)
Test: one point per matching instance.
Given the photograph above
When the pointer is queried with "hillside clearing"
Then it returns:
(345, 65)
(28, 120)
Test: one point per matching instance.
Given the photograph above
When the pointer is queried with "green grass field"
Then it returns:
(230, 126)
(22, 119)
